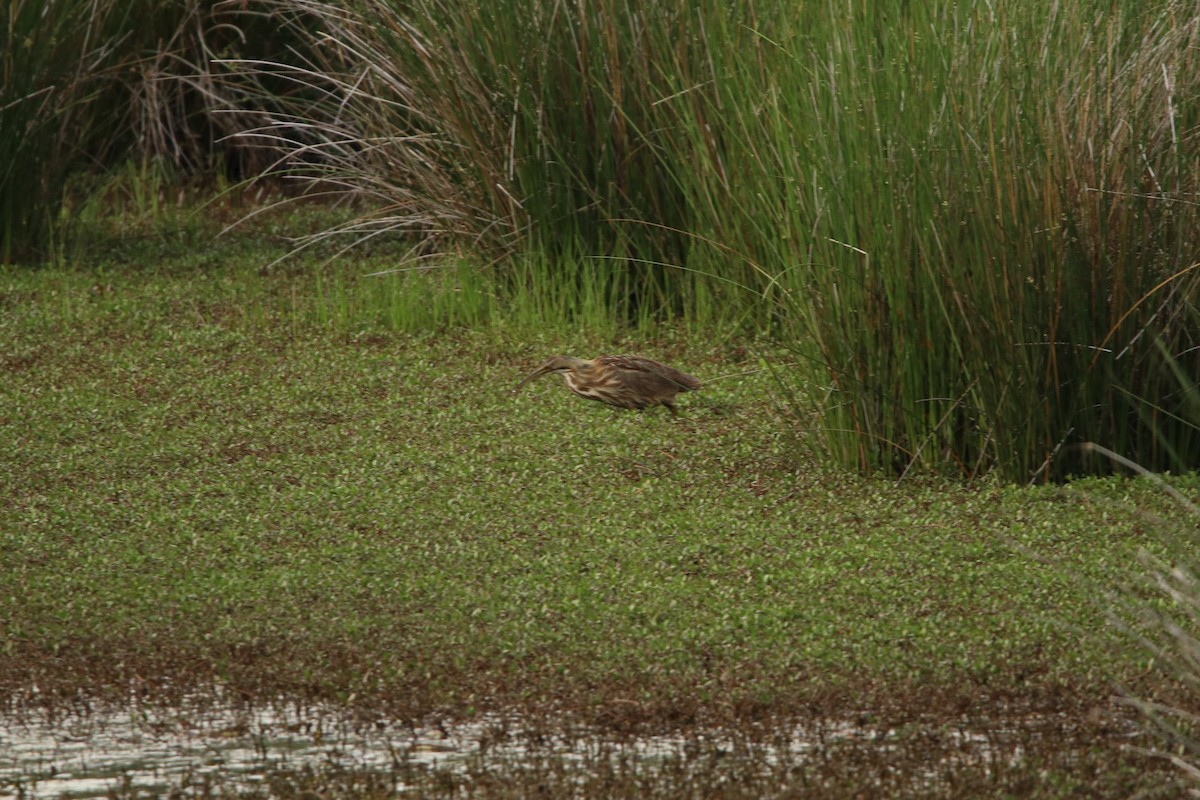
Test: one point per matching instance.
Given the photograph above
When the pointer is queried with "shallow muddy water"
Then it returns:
(152, 750)
(205, 743)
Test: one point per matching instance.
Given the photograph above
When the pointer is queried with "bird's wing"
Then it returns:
(647, 372)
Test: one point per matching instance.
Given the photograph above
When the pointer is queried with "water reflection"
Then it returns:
(89, 754)
(203, 742)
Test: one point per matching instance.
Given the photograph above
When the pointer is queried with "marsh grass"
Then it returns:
(980, 220)
(492, 126)
(587, 295)
(972, 224)
(87, 88)
(51, 105)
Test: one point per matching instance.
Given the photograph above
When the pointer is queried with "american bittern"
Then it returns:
(622, 381)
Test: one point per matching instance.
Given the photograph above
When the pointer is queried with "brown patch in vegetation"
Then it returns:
(19, 362)
(410, 685)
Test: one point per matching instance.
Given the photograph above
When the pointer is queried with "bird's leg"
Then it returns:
(671, 408)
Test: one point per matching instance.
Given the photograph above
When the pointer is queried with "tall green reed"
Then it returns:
(978, 219)
(975, 224)
(576, 294)
(503, 127)
(49, 111)
(86, 85)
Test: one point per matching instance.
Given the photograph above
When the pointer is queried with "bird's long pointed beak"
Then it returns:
(539, 372)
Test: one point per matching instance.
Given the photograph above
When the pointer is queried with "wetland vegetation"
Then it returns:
(209, 482)
(271, 270)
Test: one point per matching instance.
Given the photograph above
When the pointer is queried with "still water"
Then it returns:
(203, 742)
(154, 750)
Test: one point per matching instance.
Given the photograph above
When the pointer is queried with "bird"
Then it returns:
(630, 382)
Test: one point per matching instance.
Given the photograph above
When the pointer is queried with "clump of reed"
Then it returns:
(511, 130)
(975, 227)
(981, 223)
(88, 87)
(49, 111)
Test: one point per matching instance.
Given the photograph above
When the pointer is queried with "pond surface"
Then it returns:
(201, 743)
(90, 753)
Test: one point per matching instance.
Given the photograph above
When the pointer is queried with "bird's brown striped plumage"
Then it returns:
(623, 381)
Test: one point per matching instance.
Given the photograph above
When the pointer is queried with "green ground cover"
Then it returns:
(202, 480)
(967, 231)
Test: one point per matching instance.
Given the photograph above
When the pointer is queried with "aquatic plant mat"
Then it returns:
(216, 471)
